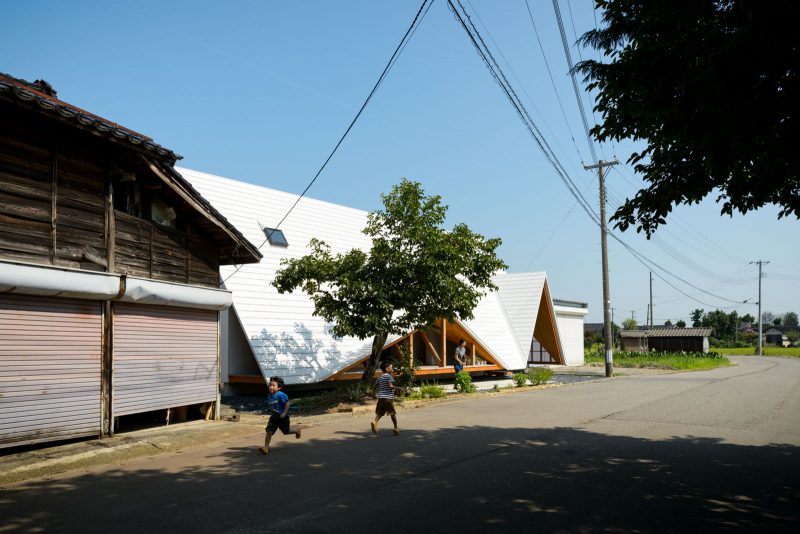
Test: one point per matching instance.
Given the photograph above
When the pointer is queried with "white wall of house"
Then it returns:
(569, 320)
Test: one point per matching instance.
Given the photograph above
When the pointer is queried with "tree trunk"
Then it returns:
(377, 347)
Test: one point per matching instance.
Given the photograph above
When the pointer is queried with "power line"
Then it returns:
(423, 10)
(552, 80)
(494, 69)
(574, 81)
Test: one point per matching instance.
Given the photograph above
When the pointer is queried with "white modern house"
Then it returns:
(265, 333)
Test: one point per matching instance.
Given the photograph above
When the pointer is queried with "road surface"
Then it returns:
(703, 451)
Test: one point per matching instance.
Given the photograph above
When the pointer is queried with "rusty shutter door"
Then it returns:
(49, 369)
(163, 357)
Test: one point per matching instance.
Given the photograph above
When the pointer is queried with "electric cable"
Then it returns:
(398, 50)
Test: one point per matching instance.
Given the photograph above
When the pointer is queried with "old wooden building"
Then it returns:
(109, 273)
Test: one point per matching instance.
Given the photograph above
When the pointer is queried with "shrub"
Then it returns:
(520, 379)
(539, 375)
(464, 383)
(405, 374)
(355, 392)
(431, 390)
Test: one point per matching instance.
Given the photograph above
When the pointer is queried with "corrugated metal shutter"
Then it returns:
(163, 357)
(49, 369)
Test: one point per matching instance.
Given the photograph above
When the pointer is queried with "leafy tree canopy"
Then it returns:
(697, 316)
(790, 319)
(415, 272)
(681, 323)
(712, 88)
(629, 324)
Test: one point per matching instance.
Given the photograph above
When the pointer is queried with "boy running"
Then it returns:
(278, 405)
(386, 388)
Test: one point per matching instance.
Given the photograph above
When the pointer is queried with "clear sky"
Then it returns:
(261, 91)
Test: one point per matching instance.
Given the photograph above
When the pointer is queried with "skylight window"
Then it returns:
(276, 237)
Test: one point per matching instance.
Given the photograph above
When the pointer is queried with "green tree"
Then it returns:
(711, 88)
(629, 324)
(794, 336)
(724, 324)
(790, 319)
(414, 273)
(681, 323)
(777, 320)
(748, 319)
(667, 323)
(697, 317)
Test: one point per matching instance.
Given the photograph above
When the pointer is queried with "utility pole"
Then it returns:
(651, 300)
(760, 263)
(604, 249)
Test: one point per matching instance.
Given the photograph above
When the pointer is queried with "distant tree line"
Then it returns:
(728, 329)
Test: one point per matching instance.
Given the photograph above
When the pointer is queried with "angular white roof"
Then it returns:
(286, 338)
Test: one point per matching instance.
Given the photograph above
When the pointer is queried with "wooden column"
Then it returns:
(444, 342)
(54, 205)
(411, 349)
(152, 249)
(111, 229)
(473, 353)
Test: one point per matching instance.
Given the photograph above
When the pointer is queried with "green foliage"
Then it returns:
(723, 324)
(697, 317)
(463, 383)
(539, 375)
(405, 374)
(768, 351)
(520, 379)
(790, 319)
(662, 360)
(431, 390)
(355, 392)
(680, 323)
(629, 324)
(378, 293)
(668, 67)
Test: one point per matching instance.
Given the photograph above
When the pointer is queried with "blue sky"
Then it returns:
(261, 92)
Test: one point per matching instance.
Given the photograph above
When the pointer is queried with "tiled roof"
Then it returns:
(30, 94)
(668, 332)
(632, 333)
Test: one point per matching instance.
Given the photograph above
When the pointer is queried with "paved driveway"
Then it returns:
(712, 450)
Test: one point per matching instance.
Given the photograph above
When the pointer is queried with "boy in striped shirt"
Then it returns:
(385, 388)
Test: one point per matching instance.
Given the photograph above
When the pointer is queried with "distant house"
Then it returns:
(775, 336)
(109, 273)
(672, 339)
(633, 340)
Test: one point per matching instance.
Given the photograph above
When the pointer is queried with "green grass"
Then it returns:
(662, 360)
(768, 351)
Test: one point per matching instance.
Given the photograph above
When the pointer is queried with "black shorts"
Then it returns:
(384, 407)
(276, 422)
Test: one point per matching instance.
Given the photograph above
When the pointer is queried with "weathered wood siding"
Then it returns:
(163, 357)
(38, 165)
(146, 250)
(49, 369)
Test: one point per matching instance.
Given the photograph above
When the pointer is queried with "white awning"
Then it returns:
(50, 281)
(143, 291)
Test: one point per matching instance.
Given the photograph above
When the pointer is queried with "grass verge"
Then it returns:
(768, 351)
(662, 360)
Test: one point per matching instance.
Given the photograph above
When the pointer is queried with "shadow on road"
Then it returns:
(469, 478)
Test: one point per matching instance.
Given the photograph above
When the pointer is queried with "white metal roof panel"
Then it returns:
(520, 295)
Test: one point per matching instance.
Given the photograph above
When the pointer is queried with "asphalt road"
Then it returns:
(703, 451)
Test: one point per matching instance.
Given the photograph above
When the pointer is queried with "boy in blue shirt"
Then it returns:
(278, 405)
